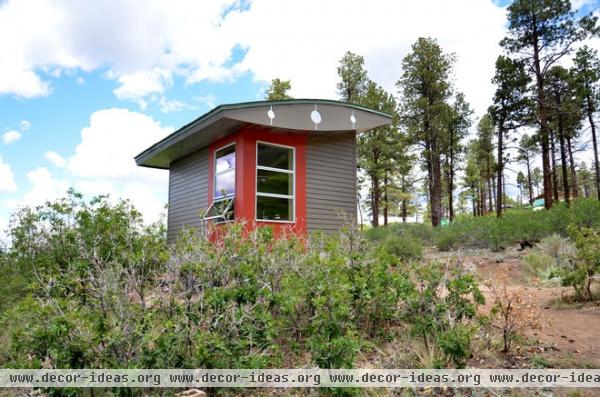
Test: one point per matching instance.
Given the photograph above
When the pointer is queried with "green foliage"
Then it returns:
(353, 77)
(419, 231)
(541, 266)
(539, 362)
(405, 248)
(279, 90)
(107, 292)
(444, 321)
(425, 88)
(517, 225)
(587, 264)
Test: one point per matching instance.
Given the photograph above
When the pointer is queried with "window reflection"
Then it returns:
(225, 172)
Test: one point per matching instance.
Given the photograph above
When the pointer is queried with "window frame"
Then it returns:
(222, 216)
(292, 172)
(230, 197)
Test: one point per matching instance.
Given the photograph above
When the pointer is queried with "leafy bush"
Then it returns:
(440, 319)
(587, 263)
(516, 225)
(540, 266)
(419, 231)
(405, 248)
(560, 248)
(106, 291)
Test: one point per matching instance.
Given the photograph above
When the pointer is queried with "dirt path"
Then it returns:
(572, 331)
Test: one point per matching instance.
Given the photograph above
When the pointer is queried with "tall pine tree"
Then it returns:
(424, 88)
(540, 33)
(509, 111)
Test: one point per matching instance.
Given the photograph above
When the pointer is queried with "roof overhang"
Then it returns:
(311, 115)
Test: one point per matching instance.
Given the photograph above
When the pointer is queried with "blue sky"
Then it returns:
(86, 85)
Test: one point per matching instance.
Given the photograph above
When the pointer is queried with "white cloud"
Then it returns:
(102, 164)
(173, 105)
(56, 159)
(142, 42)
(209, 100)
(136, 86)
(7, 179)
(25, 125)
(44, 188)
(110, 142)
(11, 137)
(146, 44)
(381, 31)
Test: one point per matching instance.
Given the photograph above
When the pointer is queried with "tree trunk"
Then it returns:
(451, 180)
(385, 200)
(554, 173)
(489, 187)
(563, 162)
(450, 195)
(541, 97)
(529, 181)
(375, 201)
(590, 114)
(574, 186)
(403, 204)
(436, 185)
(499, 171)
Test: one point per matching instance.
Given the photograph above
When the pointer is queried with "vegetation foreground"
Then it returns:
(89, 286)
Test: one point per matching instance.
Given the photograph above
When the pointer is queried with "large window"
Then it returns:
(221, 209)
(274, 183)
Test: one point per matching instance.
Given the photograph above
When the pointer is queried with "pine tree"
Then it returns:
(458, 121)
(586, 74)
(565, 117)
(377, 150)
(541, 32)
(509, 111)
(424, 88)
(528, 149)
(486, 161)
(353, 77)
(472, 178)
(521, 183)
(279, 90)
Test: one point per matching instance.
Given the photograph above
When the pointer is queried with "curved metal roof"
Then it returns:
(311, 115)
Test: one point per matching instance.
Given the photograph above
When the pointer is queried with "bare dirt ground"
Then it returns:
(570, 336)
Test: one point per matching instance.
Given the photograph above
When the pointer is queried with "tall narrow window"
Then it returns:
(275, 191)
(221, 209)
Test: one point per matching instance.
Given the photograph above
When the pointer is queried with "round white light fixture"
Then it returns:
(271, 114)
(353, 119)
(315, 116)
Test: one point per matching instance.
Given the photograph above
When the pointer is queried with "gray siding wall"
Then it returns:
(188, 192)
(330, 180)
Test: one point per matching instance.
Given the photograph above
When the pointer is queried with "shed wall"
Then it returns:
(330, 180)
(188, 192)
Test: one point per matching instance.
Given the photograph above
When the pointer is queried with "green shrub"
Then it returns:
(587, 263)
(109, 292)
(540, 265)
(419, 231)
(405, 248)
(560, 248)
(516, 225)
(442, 320)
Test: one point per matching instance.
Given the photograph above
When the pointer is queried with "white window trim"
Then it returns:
(215, 173)
(285, 196)
(222, 216)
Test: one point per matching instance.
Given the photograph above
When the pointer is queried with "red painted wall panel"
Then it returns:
(245, 175)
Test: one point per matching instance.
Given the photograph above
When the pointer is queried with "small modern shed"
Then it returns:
(289, 164)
